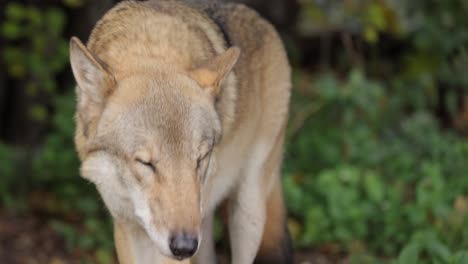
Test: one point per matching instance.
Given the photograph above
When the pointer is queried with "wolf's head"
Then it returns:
(145, 140)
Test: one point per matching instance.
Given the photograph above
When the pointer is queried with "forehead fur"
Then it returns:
(168, 111)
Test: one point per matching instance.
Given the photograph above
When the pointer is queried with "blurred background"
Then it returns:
(376, 165)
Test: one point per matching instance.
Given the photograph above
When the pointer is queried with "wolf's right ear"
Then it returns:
(212, 73)
(95, 83)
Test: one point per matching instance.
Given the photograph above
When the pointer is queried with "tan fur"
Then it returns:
(273, 233)
(167, 128)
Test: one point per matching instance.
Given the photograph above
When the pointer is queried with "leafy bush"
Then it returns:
(376, 164)
(360, 171)
(50, 183)
(35, 50)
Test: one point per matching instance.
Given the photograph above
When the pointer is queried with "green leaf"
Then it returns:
(409, 254)
(66, 230)
(16, 70)
(439, 250)
(460, 257)
(371, 35)
(35, 17)
(73, 3)
(55, 20)
(39, 43)
(373, 187)
(104, 256)
(38, 112)
(376, 16)
(86, 241)
(15, 11)
(88, 205)
(11, 30)
(49, 85)
(217, 229)
(13, 54)
(31, 89)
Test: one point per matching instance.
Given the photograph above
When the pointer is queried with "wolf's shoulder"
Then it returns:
(239, 23)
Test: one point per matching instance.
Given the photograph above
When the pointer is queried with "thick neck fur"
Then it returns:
(136, 37)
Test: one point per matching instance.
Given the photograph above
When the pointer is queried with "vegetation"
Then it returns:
(376, 166)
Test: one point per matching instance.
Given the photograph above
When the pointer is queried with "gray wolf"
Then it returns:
(182, 106)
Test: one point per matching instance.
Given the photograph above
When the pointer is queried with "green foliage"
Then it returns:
(436, 43)
(7, 169)
(55, 166)
(35, 53)
(427, 244)
(368, 17)
(35, 50)
(52, 173)
(358, 168)
(367, 161)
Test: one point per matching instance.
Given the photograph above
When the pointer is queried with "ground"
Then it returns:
(30, 240)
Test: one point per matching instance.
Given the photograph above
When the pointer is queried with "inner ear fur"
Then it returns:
(95, 83)
(211, 74)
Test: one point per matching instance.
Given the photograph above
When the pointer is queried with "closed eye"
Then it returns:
(148, 164)
(201, 158)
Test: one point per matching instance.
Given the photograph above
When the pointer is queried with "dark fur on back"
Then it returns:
(211, 8)
(204, 4)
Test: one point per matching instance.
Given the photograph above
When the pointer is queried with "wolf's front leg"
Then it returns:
(206, 253)
(246, 221)
(135, 247)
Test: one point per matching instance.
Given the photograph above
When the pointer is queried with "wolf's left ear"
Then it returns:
(95, 83)
(92, 76)
(212, 73)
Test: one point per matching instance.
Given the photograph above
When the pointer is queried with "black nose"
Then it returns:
(183, 245)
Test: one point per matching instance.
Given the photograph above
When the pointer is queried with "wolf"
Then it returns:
(181, 108)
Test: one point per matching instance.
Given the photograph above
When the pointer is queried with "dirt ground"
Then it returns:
(30, 240)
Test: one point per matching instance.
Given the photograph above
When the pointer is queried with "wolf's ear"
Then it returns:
(212, 73)
(95, 82)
